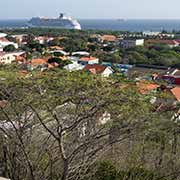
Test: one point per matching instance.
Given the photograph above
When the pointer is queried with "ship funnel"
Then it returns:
(61, 15)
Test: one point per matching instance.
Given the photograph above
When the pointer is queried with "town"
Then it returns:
(100, 54)
(89, 104)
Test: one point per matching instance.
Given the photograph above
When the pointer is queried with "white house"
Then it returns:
(74, 67)
(60, 51)
(80, 53)
(151, 33)
(104, 71)
(4, 42)
(8, 58)
(21, 38)
(107, 72)
(132, 43)
(43, 39)
(1, 48)
(2, 35)
(88, 60)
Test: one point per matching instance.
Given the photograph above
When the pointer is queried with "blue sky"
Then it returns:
(132, 9)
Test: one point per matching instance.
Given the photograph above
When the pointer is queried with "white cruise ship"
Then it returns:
(63, 21)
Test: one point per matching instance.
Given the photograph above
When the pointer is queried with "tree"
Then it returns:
(9, 48)
(61, 63)
(55, 127)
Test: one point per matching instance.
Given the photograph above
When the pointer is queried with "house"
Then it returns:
(74, 66)
(38, 63)
(1, 48)
(20, 59)
(172, 76)
(88, 60)
(128, 43)
(170, 43)
(21, 38)
(43, 39)
(108, 38)
(176, 92)
(80, 53)
(2, 35)
(55, 48)
(146, 87)
(151, 33)
(64, 53)
(5, 42)
(8, 58)
(104, 71)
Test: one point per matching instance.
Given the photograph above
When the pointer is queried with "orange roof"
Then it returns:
(38, 61)
(108, 38)
(95, 68)
(176, 92)
(56, 47)
(87, 58)
(144, 87)
(162, 41)
(50, 66)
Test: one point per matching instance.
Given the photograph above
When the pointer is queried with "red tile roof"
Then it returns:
(95, 68)
(38, 61)
(108, 38)
(176, 92)
(162, 41)
(145, 87)
(87, 59)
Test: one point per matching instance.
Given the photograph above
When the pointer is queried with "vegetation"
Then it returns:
(59, 125)
(52, 128)
(71, 40)
(107, 171)
(9, 48)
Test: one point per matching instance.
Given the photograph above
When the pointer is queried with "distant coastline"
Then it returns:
(138, 25)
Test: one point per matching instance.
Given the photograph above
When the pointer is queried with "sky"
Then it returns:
(91, 9)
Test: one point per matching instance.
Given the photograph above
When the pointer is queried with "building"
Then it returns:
(81, 53)
(170, 43)
(172, 76)
(8, 58)
(128, 43)
(108, 38)
(151, 33)
(104, 71)
(54, 48)
(88, 60)
(74, 66)
(176, 92)
(64, 53)
(145, 87)
(1, 48)
(4, 42)
(38, 63)
(43, 39)
(21, 39)
(2, 35)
